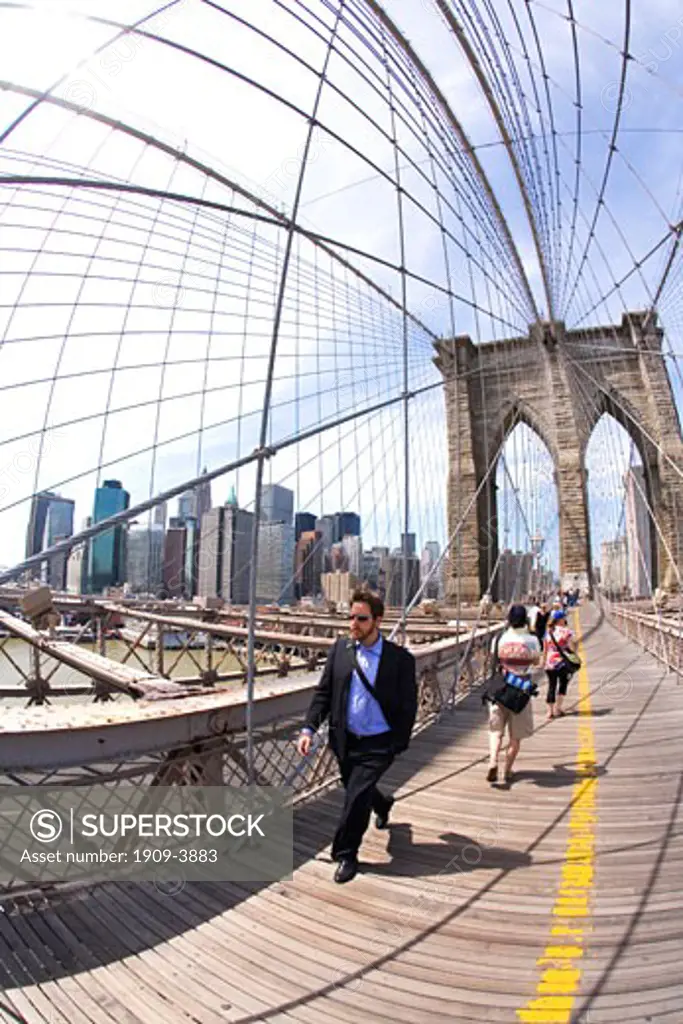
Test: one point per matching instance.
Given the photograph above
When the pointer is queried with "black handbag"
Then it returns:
(512, 698)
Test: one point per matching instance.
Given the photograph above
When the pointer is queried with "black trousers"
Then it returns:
(556, 676)
(366, 760)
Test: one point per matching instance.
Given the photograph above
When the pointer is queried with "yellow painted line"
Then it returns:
(561, 961)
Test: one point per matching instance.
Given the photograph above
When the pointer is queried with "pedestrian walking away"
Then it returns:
(368, 691)
(517, 651)
(559, 640)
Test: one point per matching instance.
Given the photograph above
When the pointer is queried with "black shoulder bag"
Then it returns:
(500, 690)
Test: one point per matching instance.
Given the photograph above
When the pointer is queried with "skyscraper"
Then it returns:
(35, 534)
(325, 527)
(429, 576)
(277, 504)
(372, 563)
(159, 514)
(52, 517)
(108, 550)
(144, 559)
(614, 566)
(513, 577)
(51, 520)
(60, 525)
(394, 579)
(203, 493)
(638, 533)
(76, 569)
(209, 571)
(60, 519)
(186, 505)
(195, 502)
(353, 549)
(304, 522)
(191, 557)
(408, 543)
(225, 554)
(346, 523)
(174, 558)
(275, 574)
(308, 564)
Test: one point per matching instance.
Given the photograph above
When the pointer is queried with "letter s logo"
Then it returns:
(46, 826)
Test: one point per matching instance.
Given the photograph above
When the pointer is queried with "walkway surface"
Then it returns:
(558, 899)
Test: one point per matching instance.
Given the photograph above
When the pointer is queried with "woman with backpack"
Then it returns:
(516, 653)
(558, 642)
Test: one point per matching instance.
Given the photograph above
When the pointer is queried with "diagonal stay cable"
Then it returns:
(611, 149)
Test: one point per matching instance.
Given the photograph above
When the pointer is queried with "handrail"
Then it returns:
(652, 632)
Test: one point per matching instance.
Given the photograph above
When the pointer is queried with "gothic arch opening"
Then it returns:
(623, 537)
(524, 560)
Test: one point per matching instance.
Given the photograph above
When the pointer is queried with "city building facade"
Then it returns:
(277, 504)
(614, 566)
(275, 567)
(145, 559)
(638, 533)
(225, 554)
(308, 564)
(107, 565)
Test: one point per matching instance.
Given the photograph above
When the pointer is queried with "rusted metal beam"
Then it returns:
(72, 735)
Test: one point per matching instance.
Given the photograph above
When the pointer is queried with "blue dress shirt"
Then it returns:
(363, 714)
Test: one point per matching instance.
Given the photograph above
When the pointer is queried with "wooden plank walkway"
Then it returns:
(559, 899)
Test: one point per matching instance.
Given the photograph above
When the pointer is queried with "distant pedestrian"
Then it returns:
(541, 622)
(532, 611)
(517, 651)
(558, 640)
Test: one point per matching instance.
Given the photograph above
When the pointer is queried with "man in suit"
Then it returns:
(369, 724)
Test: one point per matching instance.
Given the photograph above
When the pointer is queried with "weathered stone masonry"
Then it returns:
(560, 383)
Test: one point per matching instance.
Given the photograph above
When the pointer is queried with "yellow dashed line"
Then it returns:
(561, 960)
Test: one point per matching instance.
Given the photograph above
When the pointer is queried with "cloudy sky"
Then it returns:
(137, 310)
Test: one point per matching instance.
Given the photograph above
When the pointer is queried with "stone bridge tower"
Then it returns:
(559, 383)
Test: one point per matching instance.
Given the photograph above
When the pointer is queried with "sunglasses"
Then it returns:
(360, 618)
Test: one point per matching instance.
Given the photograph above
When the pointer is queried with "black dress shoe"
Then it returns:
(346, 871)
(382, 820)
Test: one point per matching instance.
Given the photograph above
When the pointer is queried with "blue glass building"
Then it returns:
(51, 520)
(35, 534)
(108, 551)
(60, 520)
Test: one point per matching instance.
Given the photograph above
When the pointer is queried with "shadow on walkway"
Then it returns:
(560, 775)
(454, 854)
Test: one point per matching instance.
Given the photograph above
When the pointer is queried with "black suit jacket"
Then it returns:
(395, 685)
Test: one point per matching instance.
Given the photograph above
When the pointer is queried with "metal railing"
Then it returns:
(656, 632)
(203, 741)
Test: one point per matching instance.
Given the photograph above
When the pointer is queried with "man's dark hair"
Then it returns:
(373, 601)
(517, 616)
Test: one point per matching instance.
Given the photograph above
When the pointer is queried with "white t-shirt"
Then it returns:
(532, 612)
(516, 649)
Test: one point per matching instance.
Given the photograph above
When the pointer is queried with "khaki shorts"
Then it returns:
(520, 726)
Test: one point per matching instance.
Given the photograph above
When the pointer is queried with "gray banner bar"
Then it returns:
(166, 834)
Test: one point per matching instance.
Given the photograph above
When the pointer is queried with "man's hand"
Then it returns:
(303, 744)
